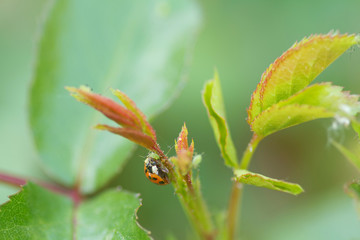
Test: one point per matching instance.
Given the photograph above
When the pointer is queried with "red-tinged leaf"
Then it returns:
(277, 118)
(130, 105)
(316, 101)
(106, 106)
(182, 141)
(183, 151)
(296, 68)
(133, 135)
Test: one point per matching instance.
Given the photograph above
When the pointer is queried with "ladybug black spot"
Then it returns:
(155, 178)
(161, 182)
(149, 177)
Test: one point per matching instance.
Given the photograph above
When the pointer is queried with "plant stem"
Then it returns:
(11, 180)
(245, 161)
(74, 194)
(233, 211)
(237, 188)
(195, 207)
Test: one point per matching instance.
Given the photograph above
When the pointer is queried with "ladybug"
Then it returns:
(154, 170)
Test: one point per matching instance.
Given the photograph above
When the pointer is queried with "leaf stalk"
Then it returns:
(236, 192)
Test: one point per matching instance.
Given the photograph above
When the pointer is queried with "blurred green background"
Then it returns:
(240, 39)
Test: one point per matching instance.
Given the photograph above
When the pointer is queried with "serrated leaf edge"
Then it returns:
(260, 88)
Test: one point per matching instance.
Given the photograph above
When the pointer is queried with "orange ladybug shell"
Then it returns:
(155, 172)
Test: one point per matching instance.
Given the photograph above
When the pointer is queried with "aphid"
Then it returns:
(154, 171)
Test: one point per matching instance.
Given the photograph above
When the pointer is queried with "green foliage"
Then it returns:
(280, 99)
(296, 68)
(213, 101)
(36, 213)
(141, 49)
(111, 215)
(120, 43)
(259, 180)
(316, 101)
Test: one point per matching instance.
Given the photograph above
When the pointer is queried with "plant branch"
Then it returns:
(233, 211)
(74, 194)
(191, 199)
(237, 188)
(11, 180)
(245, 161)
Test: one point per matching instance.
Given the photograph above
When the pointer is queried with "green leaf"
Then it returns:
(139, 47)
(259, 180)
(316, 101)
(297, 68)
(351, 157)
(112, 215)
(353, 190)
(213, 101)
(356, 126)
(35, 213)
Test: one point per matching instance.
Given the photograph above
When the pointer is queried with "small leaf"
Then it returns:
(259, 180)
(36, 213)
(213, 101)
(182, 142)
(316, 101)
(296, 68)
(351, 157)
(183, 151)
(112, 215)
(353, 190)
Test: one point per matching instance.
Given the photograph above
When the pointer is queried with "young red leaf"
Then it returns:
(106, 106)
(296, 68)
(183, 151)
(133, 135)
(182, 142)
(135, 126)
(130, 105)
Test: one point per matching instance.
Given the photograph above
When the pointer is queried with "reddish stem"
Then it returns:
(11, 180)
(74, 194)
